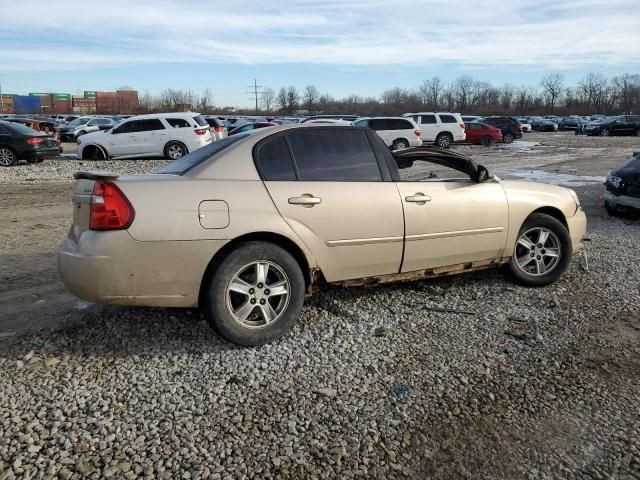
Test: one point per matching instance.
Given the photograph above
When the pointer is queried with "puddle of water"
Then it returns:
(565, 179)
(82, 305)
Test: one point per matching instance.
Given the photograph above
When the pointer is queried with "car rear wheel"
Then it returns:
(444, 140)
(605, 132)
(542, 252)
(400, 144)
(8, 157)
(507, 138)
(175, 150)
(255, 295)
(487, 141)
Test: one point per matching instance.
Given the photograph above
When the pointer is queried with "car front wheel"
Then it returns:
(542, 252)
(255, 294)
(486, 141)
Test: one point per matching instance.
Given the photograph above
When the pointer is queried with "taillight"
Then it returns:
(461, 125)
(35, 140)
(201, 132)
(218, 129)
(418, 133)
(110, 209)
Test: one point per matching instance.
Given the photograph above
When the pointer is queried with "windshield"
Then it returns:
(79, 121)
(195, 158)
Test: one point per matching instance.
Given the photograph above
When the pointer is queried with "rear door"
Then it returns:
(328, 186)
(429, 126)
(152, 137)
(383, 128)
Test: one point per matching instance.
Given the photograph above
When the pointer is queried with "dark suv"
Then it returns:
(510, 127)
(620, 125)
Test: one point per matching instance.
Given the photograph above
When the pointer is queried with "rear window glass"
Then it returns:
(23, 129)
(398, 124)
(214, 122)
(178, 122)
(3, 131)
(274, 160)
(448, 119)
(195, 158)
(199, 119)
(336, 154)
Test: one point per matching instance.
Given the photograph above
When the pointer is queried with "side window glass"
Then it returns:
(274, 160)
(151, 125)
(428, 119)
(335, 154)
(178, 122)
(448, 119)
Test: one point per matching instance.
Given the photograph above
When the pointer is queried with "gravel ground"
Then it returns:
(468, 376)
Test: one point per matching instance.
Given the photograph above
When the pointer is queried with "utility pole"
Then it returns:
(1, 99)
(256, 92)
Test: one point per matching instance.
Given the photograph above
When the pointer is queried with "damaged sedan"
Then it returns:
(245, 227)
(623, 189)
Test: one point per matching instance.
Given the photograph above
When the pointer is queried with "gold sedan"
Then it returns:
(245, 227)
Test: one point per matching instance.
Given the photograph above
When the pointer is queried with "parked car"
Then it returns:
(544, 125)
(346, 118)
(620, 125)
(526, 126)
(19, 142)
(569, 123)
(218, 128)
(317, 204)
(247, 127)
(42, 126)
(169, 135)
(80, 126)
(482, 134)
(396, 132)
(439, 128)
(509, 126)
(623, 188)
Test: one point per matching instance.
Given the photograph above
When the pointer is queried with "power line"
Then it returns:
(256, 93)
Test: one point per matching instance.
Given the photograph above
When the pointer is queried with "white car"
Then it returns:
(169, 135)
(441, 128)
(526, 126)
(397, 132)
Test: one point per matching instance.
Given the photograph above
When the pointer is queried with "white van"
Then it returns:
(441, 128)
(397, 132)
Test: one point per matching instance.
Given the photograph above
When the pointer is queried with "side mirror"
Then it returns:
(483, 174)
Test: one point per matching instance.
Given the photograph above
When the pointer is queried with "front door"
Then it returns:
(123, 140)
(335, 199)
(450, 219)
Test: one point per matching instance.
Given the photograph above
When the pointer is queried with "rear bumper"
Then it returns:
(39, 153)
(577, 229)
(621, 202)
(112, 267)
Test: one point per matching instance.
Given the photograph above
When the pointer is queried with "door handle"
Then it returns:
(306, 200)
(420, 198)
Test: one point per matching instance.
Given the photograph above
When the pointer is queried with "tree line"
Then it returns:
(593, 94)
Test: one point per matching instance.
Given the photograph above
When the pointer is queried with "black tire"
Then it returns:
(444, 140)
(507, 138)
(399, 144)
(218, 300)
(40, 160)
(175, 150)
(91, 152)
(486, 141)
(32, 160)
(565, 251)
(605, 133)
(8, 157)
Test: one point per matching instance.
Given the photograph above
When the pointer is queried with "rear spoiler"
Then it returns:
(96, 175)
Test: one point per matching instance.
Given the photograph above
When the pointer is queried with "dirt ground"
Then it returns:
(35, 218)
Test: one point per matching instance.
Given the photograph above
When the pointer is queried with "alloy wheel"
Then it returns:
(444, 141)
(175, 151)
(6, 157)
(258, 294)
(538, 251)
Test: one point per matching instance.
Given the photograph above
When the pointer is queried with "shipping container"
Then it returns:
(39, 94)
(7, 109)
(61, 96)
(89, 94)
(60, 107)
(8, 95)
(25, 104)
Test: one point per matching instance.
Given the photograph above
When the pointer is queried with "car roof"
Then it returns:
(164, 115)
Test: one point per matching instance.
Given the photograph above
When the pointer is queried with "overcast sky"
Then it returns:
(341, 46)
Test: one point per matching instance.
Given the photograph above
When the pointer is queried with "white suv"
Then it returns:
(170, 135)
(441, 128)
(397, 132)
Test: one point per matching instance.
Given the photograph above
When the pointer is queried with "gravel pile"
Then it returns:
(462, 377)
(62, 169)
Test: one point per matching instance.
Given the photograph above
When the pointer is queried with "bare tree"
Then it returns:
(462, 90)
(310, 96)
(205, 103)
(267, 99)
(506, 97)
(282, 99)
(431, 91)
(626, 90)
(292, 99)
(552, 85)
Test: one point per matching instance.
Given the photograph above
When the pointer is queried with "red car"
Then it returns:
(247, 127)
(482, 134)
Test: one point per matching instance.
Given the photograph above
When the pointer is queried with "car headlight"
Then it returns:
(615, 182)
